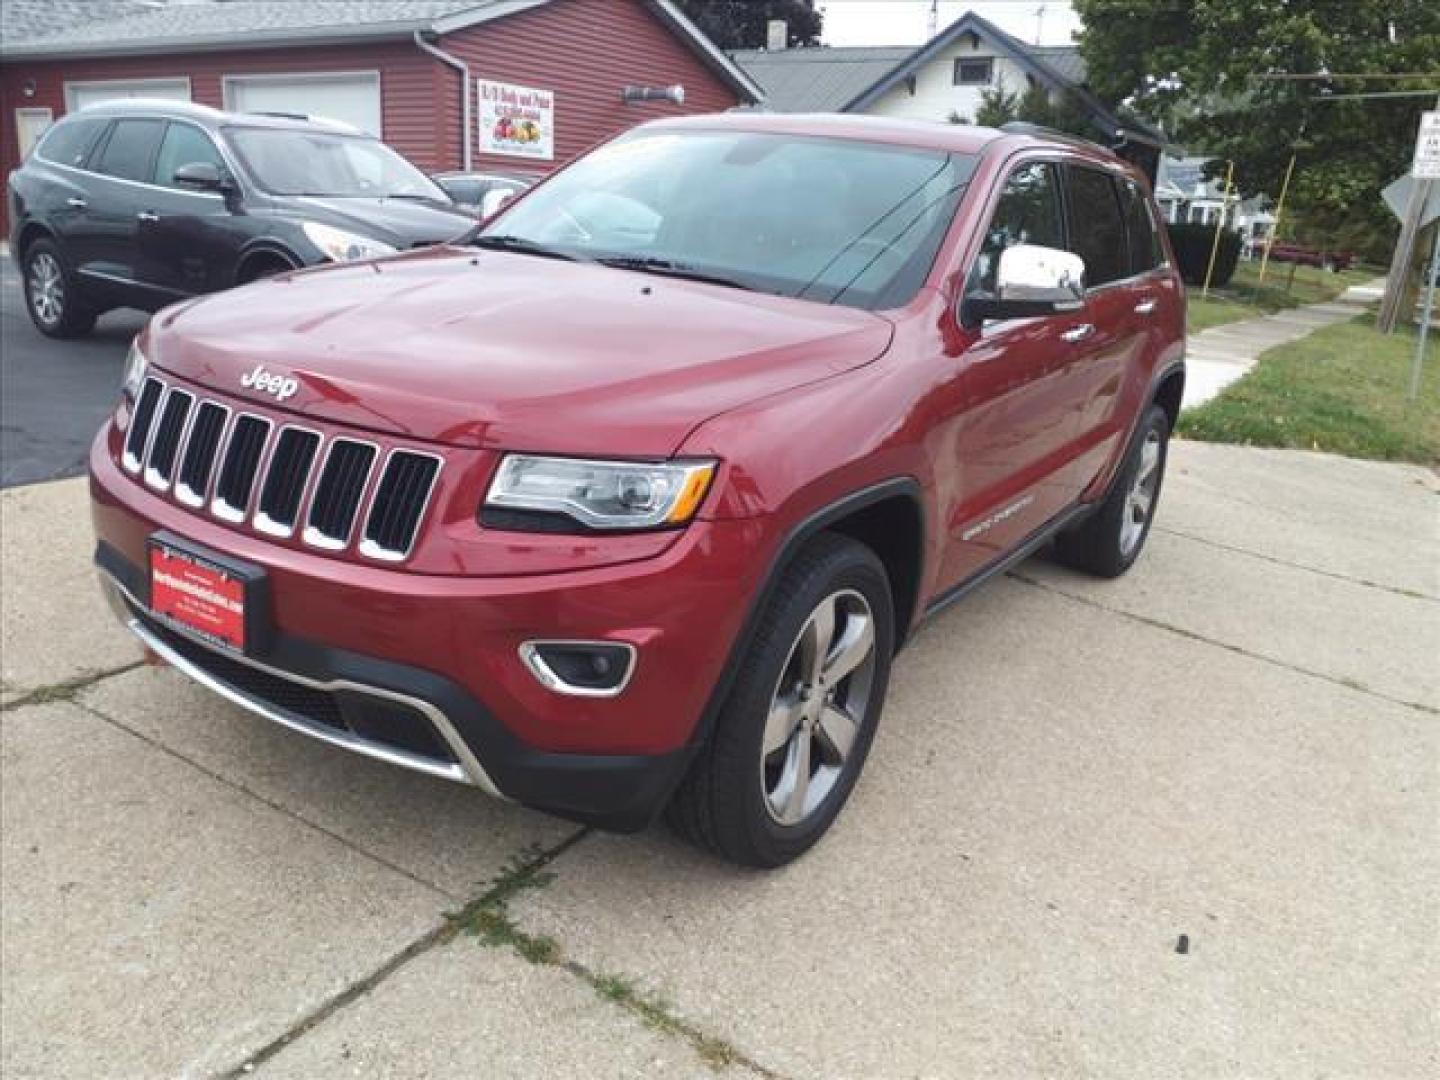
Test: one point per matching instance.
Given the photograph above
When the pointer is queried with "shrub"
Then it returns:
(1192, 244)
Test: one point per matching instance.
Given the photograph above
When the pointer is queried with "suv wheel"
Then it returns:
(1110, 540)
(794, 733)
(50, 294)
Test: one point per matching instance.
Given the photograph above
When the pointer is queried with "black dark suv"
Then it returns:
(141, 203)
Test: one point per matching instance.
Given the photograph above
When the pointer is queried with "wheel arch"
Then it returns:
(29, 233)
(264, 251)
(1170, 393)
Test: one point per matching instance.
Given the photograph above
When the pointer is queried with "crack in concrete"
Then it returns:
(440, 935)
(67, 689)
(1146, 620)
(1409, 594)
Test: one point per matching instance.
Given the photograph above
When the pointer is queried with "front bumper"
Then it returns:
(424, 671)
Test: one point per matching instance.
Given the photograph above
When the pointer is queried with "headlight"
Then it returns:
(135, 366)
(600, 494)
(341, 246)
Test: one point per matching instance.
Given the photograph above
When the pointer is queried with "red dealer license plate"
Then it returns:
(199, 594)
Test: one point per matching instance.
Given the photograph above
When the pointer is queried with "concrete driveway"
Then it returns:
(1183, 824)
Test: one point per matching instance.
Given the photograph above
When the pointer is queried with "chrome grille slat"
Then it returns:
(285, 480)
(244, 467)
(339, 492)
(239, 467)
(165, 444)
(137, 439)
(197, 464)
(398, 505)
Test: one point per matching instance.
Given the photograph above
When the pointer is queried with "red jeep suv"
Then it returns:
(625, 501)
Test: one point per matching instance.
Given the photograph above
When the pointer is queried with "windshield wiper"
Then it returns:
(521, 245)
(649, 264)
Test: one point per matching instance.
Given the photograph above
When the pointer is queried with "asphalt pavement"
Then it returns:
(53, 394)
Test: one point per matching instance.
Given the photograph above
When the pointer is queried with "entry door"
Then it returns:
(30, 124)
(1012, 448)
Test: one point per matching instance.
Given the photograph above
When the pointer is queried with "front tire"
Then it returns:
(51, 295)
(1111, 539)
(793, 735)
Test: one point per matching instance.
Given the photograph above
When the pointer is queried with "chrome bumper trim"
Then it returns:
(465, 770)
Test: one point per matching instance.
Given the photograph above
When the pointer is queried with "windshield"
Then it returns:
(287, 161)
(833, 220)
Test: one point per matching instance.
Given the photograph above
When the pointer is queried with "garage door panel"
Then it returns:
(79, 94)
(352, 98)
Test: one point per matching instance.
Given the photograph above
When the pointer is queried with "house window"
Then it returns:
(974, 72)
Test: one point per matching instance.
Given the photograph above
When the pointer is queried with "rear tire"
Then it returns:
(51, 295)
(1111, 539)
(793, 735)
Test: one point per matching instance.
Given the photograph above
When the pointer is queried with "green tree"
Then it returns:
(1192, 66)
(997, 107)
(740, 24)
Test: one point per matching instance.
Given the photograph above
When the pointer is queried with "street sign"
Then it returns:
(1397, 197)
(1427, 148)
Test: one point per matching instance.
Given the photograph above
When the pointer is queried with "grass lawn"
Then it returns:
(1342, 390)
(1245, 298)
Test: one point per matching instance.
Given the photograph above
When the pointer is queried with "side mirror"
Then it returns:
(202, 176)
(1031, 281)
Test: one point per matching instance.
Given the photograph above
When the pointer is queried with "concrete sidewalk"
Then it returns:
(1239, 742)
(1217, 357)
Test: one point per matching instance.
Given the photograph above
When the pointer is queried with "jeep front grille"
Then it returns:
(243, 469)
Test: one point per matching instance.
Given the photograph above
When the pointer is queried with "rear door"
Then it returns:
(120, 184)
(187, 240)
(1107, 343)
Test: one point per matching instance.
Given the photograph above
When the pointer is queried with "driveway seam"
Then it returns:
(1396, 590)
(264, 800)
(67, 689)
(1145, 620)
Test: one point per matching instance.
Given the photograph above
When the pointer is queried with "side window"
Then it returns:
(1028, 213)
(184, 144)
(1097, 233)
(1145, 250)
(131, 149)
(68, 142)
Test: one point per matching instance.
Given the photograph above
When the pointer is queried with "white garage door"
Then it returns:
(80, 94)
(355, 99)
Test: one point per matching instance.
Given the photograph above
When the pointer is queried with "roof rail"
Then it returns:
(1024, 127)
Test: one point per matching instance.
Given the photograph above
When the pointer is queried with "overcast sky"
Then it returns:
(903, 22)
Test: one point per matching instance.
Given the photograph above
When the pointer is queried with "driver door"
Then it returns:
(188, 240)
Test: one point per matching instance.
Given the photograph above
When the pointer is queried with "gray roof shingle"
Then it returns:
(22, 19)
(816, 79)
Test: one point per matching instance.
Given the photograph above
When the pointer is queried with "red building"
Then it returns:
(488, 84)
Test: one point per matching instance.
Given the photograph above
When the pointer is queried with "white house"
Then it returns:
(1185, 195)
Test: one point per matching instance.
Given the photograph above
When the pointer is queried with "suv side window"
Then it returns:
(1097, 232)
(69, 142)
(130, 150)
(184, 144)
(1145, 250)
(1028, 213)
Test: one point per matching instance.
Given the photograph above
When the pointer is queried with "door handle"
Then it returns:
(1145, 307)
(1078, 333)
(76, 203)
(148, 215)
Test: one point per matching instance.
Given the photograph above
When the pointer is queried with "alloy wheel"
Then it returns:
(1141, 499)
(818, 707)
(46, 288)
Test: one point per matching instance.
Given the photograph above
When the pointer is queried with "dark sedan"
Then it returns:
(142, 203)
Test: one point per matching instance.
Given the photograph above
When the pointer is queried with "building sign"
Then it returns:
(518, 121)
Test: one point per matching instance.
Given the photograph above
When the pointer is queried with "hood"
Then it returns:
(402, 223)
(506, 351)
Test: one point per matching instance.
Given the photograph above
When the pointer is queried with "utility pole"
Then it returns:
(934, 24)
(1039, 22)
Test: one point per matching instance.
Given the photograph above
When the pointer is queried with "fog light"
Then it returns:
(580, 668)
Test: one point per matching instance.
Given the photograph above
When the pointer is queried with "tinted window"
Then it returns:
(1028, 213)
(184, 144)
(1097, 233)
(463, 189)
(131, 149)
(69, 141)
(837, 221)
(1145, 250)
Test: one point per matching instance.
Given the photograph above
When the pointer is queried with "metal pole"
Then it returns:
(1395, 283)
(1279, 209)
(1425, 317)
(1219, 226)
